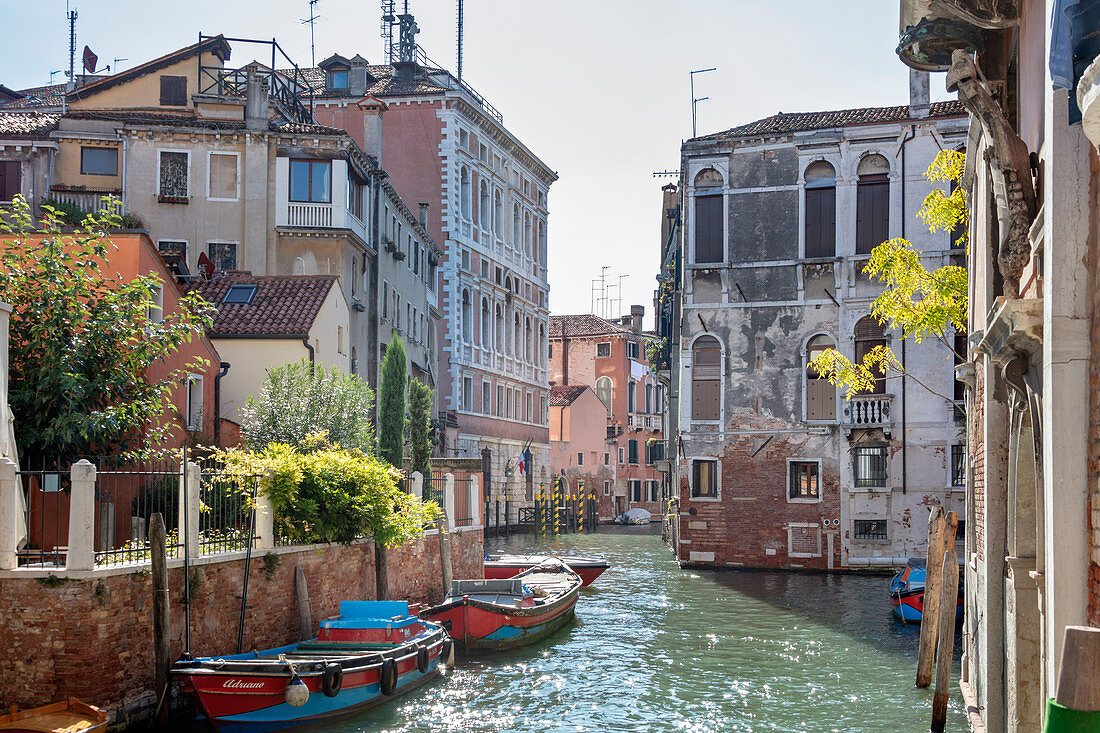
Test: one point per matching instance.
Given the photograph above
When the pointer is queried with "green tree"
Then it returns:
(82, 338)
(420, 426)
(301, 399)
(919, 302)
(391, 405)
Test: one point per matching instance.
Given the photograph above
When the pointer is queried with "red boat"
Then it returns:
(373, 651)
(500, 614)
(507, 566)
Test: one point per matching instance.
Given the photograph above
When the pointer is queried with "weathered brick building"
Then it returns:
(775, 467)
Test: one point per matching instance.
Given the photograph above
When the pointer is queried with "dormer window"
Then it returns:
(338, 79)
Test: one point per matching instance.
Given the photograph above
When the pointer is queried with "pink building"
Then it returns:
(484, 195)
(578, 440)
(610, 359)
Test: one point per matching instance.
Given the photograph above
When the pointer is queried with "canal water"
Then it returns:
(656, 648)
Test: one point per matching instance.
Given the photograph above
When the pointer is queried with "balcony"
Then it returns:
(867, 411)
(309, 215)
(87, 201)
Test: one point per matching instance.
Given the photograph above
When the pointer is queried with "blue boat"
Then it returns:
(371, 652)
(907, 593)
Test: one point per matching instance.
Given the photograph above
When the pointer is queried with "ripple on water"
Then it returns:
(660, 649)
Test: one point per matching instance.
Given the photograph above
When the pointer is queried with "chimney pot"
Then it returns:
(636, 313)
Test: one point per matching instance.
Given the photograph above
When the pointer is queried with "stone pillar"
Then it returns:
(416, 484)
(265, 521)
(189, 509)
(81, 553)
(473, 500)
(449, 500)
(11, 515)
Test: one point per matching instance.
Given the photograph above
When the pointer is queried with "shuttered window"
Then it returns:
(821, 222)
(820, 393)
(9, 179)
(708, 229)
(173, 91)
(872, 212)
(869, 335)
(706, 372)
(632, 451)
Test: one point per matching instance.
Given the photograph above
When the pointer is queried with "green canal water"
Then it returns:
(656, 648)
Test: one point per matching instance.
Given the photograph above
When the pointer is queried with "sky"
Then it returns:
(598, 89)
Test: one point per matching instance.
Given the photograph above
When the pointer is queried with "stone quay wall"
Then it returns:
(88, 634)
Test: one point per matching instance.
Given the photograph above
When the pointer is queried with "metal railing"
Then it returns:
(126, 496)
(227, 506)
(45, 492)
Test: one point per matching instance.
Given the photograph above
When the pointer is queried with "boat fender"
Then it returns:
(332, 680)
(447, 653)
(296, 692)
(388, 676)
(422, 659)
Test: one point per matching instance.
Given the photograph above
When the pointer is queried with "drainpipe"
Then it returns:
(218, 402)
(904, 442)
(309, 348)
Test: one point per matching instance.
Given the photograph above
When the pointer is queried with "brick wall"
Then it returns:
(92, 637)
(748, 525)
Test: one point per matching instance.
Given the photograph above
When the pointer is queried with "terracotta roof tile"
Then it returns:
(284, 305)
(585, 325)
(385, 83)
(564, 395)
(789, 122)
(44, 96)
(147, 117)
(27, 124)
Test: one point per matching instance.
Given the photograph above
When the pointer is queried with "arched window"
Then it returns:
(820, 210)
(820, 394)
(706, 379)
(467, 317)
(540, 252)
(869, 334)
(527, 341)
(709, 232)
(498, 215)
(516, 223)
(486, 331)
(604, 389)
(527, 236)
(483, 212)
(517, 336)
(464, 192)
(543, 347)
(872, 203)
(499, 339)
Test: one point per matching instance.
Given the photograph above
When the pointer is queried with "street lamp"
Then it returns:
(694, 101)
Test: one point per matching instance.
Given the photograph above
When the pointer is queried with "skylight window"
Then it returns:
(240, 294)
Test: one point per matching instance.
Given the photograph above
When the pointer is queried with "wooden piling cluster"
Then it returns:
(941, 594)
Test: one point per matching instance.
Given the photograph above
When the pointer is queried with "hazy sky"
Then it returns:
(596, 88)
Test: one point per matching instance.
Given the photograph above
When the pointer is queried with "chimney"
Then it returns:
(357, 76)
(372, 109)
(424, 213)
(918, 94)
(255, 102)
(636, 313)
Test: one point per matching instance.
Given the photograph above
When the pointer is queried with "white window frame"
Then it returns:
(237, 264)
(598, 345)
(189, 419)
(791, 526)
(881, 540)
(174, 150)
(209, 155)
(691, 478)
(155, 312)
(787, 482)
(690, 363)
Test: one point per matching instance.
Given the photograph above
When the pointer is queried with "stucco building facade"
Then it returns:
(774, 466)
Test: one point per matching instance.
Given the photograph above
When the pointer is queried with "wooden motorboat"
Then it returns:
(67, 716)
(497, 614)
(372, 651)
(907, 593)
(507, 566)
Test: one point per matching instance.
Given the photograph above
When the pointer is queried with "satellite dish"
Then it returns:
(206, 266)
(90, 60)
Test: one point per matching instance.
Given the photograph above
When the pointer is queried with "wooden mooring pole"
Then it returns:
(948, 602)
(930, 616)
(301, 594)
(161, 628)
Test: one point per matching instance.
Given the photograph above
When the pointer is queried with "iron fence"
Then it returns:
(126, 497)
(45, 531)
(226, 509)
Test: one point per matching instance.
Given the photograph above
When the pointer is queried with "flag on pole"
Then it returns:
(524, 459)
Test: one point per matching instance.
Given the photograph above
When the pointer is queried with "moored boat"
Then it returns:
(496, 614)
(907, 593)
(508, 566)
(68, 716)
(372, 651)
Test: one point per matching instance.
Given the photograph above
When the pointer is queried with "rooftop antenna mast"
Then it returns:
(695, 100)
(312, 19)
(389, 19)
(460, 40)
(71, 14)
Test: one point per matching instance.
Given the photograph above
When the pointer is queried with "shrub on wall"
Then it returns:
(323, 493)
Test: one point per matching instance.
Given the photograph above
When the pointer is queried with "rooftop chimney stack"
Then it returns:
(255, 102)
(636, 313)
(372, 109)
(918, 94)
(424, 213)
(357, 76)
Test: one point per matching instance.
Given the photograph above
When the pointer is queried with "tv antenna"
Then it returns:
(665, 174)
(695, 100)
(460, 40)
(71, 15)
(115, 63)
(312, 20)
